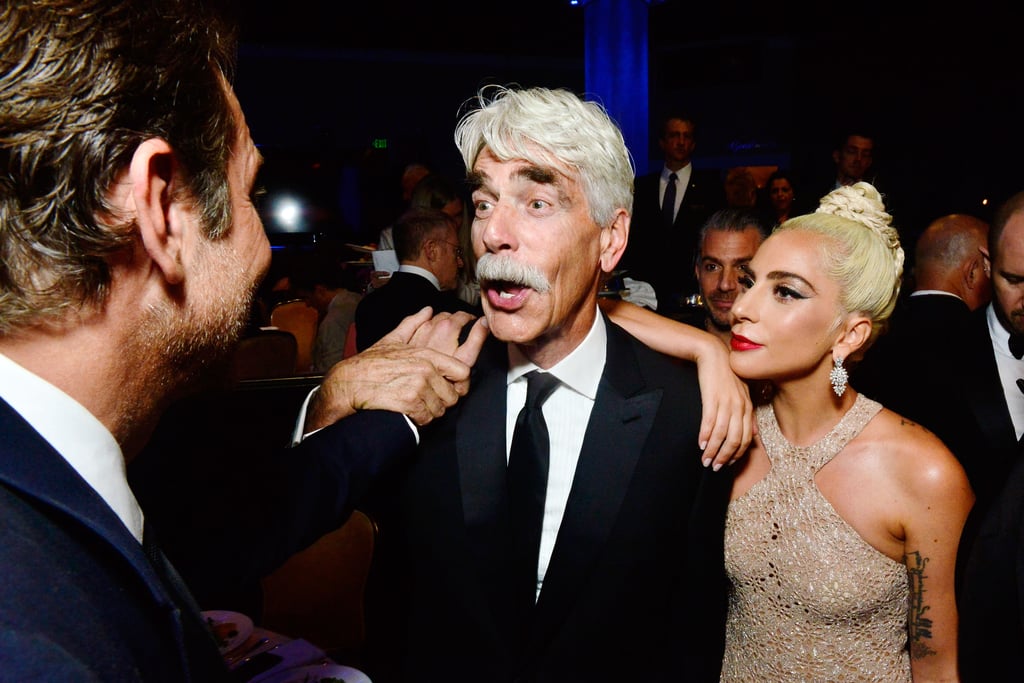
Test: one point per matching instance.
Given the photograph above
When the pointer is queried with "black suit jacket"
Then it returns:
(635, 589)
(990, 570)
(381, 310)
(80, 601)
(990, 588)
(927, 332)
(663, 255)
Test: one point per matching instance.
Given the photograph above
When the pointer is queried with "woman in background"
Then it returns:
(779, 198)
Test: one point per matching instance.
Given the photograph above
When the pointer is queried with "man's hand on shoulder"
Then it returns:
(419, 369)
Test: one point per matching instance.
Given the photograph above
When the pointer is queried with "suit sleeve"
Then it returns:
(313, 486)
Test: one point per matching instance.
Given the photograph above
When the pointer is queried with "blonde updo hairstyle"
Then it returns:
(861, 251)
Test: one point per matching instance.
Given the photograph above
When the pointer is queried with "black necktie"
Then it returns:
(527, 480)
(668, 205)
(1017, 345)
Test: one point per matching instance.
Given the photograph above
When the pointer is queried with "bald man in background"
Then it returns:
(911, 368)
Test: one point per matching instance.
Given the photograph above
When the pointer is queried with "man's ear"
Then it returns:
(971, 271)
(613, 241)
(151, 175)
(431, 250)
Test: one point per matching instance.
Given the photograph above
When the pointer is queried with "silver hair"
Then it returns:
(553, 129)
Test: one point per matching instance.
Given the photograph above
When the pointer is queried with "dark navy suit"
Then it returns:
(80, 601)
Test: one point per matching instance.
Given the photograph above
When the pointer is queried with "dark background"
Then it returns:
(340, 97)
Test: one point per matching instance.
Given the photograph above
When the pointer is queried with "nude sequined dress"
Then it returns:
(810, 599)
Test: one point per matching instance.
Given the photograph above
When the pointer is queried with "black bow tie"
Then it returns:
(1017, 345)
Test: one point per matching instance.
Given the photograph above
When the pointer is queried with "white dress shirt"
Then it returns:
(1010, 369)
(77, 435)
(566, 412)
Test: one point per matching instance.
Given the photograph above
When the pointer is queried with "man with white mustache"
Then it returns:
(629, 582)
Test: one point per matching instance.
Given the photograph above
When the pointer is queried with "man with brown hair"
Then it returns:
(131, 251)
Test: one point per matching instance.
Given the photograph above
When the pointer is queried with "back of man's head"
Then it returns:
(83, 84)
(415, 228)
(948, 257)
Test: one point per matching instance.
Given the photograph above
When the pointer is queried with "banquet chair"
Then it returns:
(264, 355)
(319, 594)
(301, 319)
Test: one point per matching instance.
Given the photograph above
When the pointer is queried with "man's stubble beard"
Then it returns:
(185, 346)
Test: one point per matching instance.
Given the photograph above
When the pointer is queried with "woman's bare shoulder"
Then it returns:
(913, 453)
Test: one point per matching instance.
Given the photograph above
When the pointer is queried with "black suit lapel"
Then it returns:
(480, 439)
(985, 394)
(480, 450)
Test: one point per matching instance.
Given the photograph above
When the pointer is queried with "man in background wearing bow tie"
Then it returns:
(991, 563)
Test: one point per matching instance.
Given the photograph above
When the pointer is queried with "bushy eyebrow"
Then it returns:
(536, 174)
(475, 180)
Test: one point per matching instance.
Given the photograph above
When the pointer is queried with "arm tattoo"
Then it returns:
(919, 627)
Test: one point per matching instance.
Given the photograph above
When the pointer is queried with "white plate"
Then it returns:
(232, 629)
(314, 673)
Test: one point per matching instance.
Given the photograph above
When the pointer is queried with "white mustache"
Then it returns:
(493, 268)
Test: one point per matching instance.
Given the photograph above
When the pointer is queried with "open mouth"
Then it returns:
(505, 295)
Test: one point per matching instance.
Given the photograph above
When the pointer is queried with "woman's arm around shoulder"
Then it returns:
(727, 421)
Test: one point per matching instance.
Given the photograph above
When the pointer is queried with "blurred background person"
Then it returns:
(992, 570)
(740, 188)
(437, 191)
(931, 327)
(779, 202)
(728, 240)
(333, 289)
(430, 259)
(663, 234)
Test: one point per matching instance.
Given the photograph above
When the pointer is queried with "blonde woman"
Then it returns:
(844, 518)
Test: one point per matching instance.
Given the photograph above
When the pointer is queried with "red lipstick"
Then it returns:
(741, 343)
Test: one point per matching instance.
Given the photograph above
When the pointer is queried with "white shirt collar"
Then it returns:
(932, 292)
(999, 334)
(575, 370)
(76, 434)
(422, 272)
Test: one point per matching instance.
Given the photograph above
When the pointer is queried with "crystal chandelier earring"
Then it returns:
(838, 376)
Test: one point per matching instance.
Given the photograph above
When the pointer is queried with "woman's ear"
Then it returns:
(855, 334)
(151, 175)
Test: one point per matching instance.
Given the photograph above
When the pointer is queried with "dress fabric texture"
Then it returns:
(810, 600)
